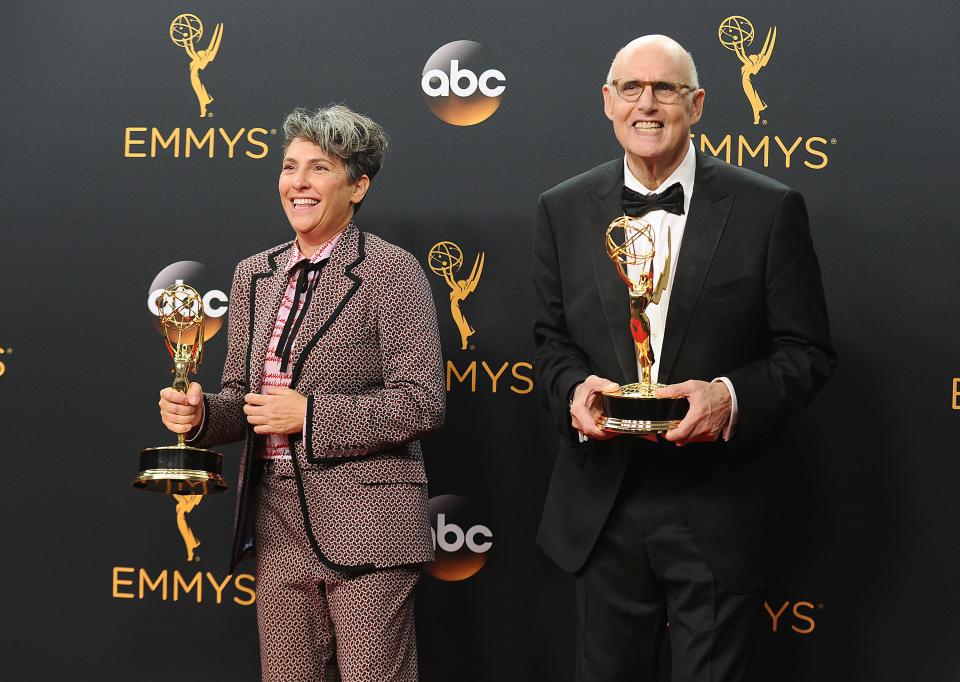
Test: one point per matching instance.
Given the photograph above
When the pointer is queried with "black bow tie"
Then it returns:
(637, 205)
(305, 286)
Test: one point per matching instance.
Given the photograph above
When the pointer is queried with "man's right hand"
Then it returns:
(181, 412)
(585, 408)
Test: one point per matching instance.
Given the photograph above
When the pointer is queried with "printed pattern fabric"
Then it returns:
(315, 621)
(275, 445)
(368, 359)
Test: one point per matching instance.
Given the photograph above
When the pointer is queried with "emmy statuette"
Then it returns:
(735, 34)
(636, 408)
(181, 469)
(445, 258)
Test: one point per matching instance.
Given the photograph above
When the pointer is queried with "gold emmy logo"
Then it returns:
(184, 30)
(445, 258)
(3, 366)
(185, 505)
(735, 34)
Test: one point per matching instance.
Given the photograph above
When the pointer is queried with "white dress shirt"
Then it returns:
(663, 224)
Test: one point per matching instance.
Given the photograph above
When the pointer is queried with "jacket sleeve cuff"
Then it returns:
(197, 432)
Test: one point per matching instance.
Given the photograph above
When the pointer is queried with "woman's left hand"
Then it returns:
(282, 410)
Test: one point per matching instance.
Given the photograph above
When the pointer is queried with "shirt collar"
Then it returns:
(323, 252)
(684, 174)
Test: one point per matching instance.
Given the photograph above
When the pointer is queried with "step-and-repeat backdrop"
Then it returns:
(140, 145)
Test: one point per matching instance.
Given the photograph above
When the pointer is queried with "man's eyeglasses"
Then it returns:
(665, 92)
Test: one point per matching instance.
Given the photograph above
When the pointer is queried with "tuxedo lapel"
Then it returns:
(603, 202)
(266, 293)
(709, 208)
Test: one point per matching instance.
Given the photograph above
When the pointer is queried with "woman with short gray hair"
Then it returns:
(356, 140)
(333, 373)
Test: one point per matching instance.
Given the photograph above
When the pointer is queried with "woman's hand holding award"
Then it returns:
(181, 469)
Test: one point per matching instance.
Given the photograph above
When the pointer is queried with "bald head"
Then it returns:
(666, 46)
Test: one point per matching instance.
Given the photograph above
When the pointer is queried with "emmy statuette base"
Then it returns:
(636, 409)
(180, 470)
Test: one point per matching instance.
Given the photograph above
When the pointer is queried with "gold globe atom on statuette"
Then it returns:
(185, 29)
(736, 31)
(445, 257)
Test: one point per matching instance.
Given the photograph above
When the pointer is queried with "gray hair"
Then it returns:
(694, 80)
(358, 141)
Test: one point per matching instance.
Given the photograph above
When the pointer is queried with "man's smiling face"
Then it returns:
(654, 135)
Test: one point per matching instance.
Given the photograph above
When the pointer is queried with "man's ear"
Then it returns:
(696, 110)
(607, 102)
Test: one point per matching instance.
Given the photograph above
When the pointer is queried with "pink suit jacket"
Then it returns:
(368, 358)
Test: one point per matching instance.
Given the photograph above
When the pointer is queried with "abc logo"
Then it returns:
(458, 87)
(193, 274)
(461, 544)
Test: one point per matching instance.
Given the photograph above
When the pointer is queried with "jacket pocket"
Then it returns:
(394, 470)
(733, 286)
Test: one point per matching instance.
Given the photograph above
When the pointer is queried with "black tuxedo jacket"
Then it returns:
(746, 303)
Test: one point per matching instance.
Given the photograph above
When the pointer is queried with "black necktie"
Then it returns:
(290, 328)
(637, 205)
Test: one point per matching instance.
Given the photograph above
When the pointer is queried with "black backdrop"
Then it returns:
(868, 87)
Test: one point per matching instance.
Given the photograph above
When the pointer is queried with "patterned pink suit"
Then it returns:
(353, 498)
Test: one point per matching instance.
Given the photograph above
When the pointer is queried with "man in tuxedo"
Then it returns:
(689, 527)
